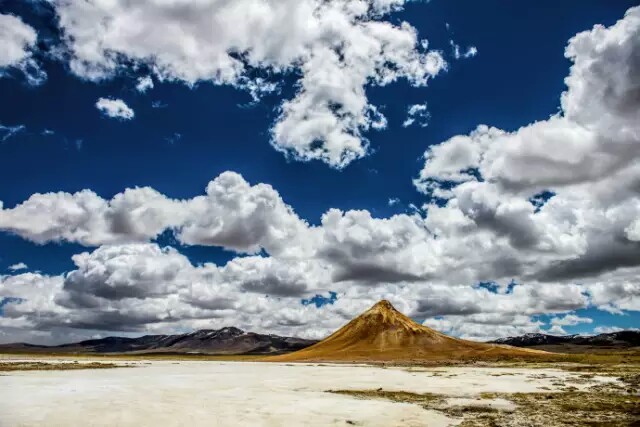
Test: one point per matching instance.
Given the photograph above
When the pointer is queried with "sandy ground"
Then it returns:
(205, 393)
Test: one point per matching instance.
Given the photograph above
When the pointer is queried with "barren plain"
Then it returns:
(222, 393)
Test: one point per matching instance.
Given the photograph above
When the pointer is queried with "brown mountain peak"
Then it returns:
(383, 333)
(384, 304)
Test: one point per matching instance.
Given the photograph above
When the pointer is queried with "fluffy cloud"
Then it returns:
(17, 43)
(17, 38)
(134, 287)
(484, 328)
(543, 220)
(338, 48)
(570, 320)
(417, 113)
(232, 214)
(115, 108)
(246, 218)
(583, 157)
(143, 287)
(18, 266)
(557, 323)
(420, 264)
(610, 329)
(144, 84)
(372, 250)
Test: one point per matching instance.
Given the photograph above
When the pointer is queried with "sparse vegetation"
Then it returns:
(45, 366)
(426, 399)
(431, 401)
(134, 356)
(607, 404)
(573, 408)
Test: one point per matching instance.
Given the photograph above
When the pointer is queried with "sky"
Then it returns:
(280, 166)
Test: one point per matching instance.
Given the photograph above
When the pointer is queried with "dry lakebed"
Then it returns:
(141, 392)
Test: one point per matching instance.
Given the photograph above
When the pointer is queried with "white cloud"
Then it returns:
(574, 250)
(232, 214)
(17, 43)
(570, 320)
(115, 108)
(338, 48)
(144, 84)
(18, 266)
(485, 327)
(606, 329)
(17, 38)
(557, 330)
(471, 52)
(417, 113)
(583, 155)
(138, 286)
(9, 131)
(457, 52)
(611, 329)
(143, 287)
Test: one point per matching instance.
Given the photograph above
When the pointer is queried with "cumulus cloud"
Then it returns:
(542, 220)
(373, 250)
(144, 84)
(417, 113)
(583, 156)
(128, 286)
(570, 320)
(484, 328)
(133, 287)
(115, 108)
(337, 48)
(557, 323)
(17, 45)
(610, 329)
(18, 266)
(232, 214)
(143, 287)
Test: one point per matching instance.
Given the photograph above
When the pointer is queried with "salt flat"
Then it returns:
(209, 393)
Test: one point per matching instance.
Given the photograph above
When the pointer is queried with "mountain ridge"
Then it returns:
(225, 341)
(620, 339)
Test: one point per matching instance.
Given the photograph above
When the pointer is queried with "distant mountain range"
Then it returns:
(225, 341)
(370, 333)
(621, 340)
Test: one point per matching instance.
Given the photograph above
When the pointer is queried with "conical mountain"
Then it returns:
(382, 333)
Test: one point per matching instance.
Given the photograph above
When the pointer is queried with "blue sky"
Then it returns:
(184, 134)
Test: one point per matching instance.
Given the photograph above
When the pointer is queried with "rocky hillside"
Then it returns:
(622, 339)
(225, 341)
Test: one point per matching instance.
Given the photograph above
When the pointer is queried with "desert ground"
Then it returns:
(54, 391)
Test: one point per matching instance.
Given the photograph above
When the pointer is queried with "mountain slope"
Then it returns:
(576, 343)
(382, 333)
(227, 341)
